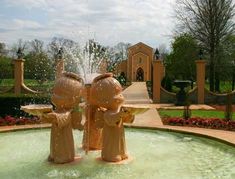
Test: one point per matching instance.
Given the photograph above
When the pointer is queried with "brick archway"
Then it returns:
(140, 74)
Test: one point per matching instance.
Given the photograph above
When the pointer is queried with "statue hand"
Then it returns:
(127, 116)
(50, 117)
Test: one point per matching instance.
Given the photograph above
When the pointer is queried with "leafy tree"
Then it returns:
(180, 63)
(6, 71)
(37, 64)
(3, 50)
(210, 22)
(227, 68)
(122, 79)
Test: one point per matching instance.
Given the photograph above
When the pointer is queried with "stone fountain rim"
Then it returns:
(7, 129)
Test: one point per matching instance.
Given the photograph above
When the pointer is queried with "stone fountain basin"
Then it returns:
(156, 154)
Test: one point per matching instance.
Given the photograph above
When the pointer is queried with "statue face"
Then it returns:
(117, 101)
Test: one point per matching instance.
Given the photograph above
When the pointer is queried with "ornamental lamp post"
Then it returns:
(59, 63)
(200, 54)
(156, 54)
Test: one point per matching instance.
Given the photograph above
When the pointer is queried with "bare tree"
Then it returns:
(117, 54)
(163, 51)
(3, 50)
(20, 44)
(210, 22)
(36, 46)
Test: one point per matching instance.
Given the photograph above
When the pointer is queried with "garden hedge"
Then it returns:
(10, 103)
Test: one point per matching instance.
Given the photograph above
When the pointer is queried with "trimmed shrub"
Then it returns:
(166, 83)
(10, 103)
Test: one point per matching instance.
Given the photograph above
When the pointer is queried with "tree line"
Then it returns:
(40, 58)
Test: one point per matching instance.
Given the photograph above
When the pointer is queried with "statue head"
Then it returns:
(67, 90)
(106, 92)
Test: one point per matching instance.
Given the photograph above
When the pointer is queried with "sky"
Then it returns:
(106, 21)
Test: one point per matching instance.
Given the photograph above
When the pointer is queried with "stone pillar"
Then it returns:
(162, 71)
(59, 68)
(18, 75)
(157, 76)
(201, 64)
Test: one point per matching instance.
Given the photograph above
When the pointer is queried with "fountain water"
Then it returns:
(156, 154)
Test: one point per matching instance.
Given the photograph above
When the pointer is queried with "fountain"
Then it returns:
(157, 154)
(103, 104)
(181, 94)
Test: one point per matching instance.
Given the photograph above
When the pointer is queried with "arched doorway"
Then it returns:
(140, 74)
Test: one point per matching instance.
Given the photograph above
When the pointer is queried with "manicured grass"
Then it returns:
(195, 113)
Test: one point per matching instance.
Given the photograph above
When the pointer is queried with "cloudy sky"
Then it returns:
(107, 21)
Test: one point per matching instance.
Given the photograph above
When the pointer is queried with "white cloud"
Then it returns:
(26, 24)
(27, 3)
(110, 21)
(18, 24)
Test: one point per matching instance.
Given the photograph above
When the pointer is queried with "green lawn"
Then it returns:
(28, 82)
(225, 86)
(195, 113)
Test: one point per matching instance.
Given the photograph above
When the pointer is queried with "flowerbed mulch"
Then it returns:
(211, 123)
(11, 121)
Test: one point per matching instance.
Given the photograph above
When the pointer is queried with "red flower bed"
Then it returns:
(10, 121)
(212, 123)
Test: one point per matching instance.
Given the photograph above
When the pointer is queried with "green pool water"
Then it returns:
(156, 155)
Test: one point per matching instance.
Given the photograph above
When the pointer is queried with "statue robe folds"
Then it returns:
(114, 145)
(62, 143)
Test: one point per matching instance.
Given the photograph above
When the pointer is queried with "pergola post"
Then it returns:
(201, 65)
(157, 77)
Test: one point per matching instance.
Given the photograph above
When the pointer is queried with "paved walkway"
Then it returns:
(137, 94)
(151, 118)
